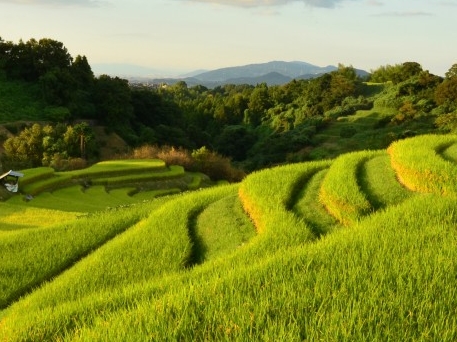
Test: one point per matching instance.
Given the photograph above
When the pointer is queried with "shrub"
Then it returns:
(173, 156)
(202, 160)
(215, 166)
(347, 132)
(77, 163)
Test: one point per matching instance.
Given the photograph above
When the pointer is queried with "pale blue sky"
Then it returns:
(176, 36)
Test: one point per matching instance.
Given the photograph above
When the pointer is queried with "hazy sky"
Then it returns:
(175, 36)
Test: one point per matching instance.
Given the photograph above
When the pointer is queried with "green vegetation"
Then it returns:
(259, 260)
(253, 126)
(341, 192)
(32, 256)
(420, 165)
(103, 173)
(352, 240)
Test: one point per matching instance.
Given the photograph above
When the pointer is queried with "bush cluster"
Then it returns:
(217, 167)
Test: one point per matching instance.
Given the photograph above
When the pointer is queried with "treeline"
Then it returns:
(256, 126)
(60, 146)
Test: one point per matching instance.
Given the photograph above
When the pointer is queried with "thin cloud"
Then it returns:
(405, 14)
(62, 3)
(448, 3)
(375, 3)
(271, 3)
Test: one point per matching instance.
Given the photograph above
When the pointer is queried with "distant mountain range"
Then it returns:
(272, 73)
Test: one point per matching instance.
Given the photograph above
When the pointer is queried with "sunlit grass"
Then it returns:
(221, 228)
(19, 217)
(421, 167)
(380, 183)
(30, 257)
(341, 192)
(191, 267)
(311, 209)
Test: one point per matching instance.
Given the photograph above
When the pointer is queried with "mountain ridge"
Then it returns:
(271, 73)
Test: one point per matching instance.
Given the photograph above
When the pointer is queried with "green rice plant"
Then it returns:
(20, 217)
(421, 167)
(450, 153)
(380, 184)
(196, 181)
(153, 247)
(341, 192)
(173, 171)
(30, 257)
(118, 167)
(43, 179)
(220, 228)
(71, 199)
(389, 277)
(151, 194)
(124, 193)
(35, 174)
(41, 185)
(94, 198)
(311, 209)
(266, 197)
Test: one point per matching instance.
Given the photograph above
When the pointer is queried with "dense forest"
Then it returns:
(254, 126)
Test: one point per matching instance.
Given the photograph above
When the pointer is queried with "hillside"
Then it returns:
(360, 247)
(271, 73)
(253, 126)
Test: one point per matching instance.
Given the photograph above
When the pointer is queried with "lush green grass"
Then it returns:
(14, 217)
(341, 191)
(220, 228)
(30, 257)
(102, 185)
(73, 199)
(103, 173)
(311, 209)
(191, 268)
(35, 175)
(118, 168)
(267, 197)
(173, 171)
(420, 165)
(338, 288)
(450, 153)
(380, 184)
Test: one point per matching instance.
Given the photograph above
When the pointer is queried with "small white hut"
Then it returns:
(10, 180)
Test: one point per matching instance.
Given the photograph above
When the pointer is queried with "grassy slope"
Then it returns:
(373, 128)
(194, 269)
(103, 185)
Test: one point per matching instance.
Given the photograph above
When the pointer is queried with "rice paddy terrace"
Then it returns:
(359, 248)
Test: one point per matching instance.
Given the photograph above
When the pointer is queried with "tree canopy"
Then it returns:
(256, 126)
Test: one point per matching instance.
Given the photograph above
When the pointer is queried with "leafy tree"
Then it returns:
(38, 145)
(49, 54)
(80, 141)
(396, 73)
(113, 101)
(27, 146)
(81, 72)
(148, 108)
(56, 86)
(446, 93)
(235, 141)
(452, 72)
(259, 103)
(33, 59)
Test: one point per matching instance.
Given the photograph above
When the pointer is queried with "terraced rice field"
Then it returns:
(359, 248)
